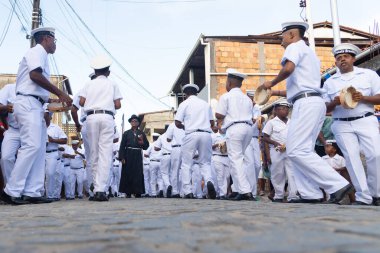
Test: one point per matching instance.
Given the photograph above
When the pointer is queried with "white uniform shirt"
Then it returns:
(217, 138)
(36, 57)
(76, 162)
(194, 114)
(82, 115)
(153, 154)
(364, 80)
(256, 114)
(163, 144)
(336, 162)
(100, 94)
(7, 96)
(235, 106)
(66, 161)
(175, 134)
(55, 132)
(277, 130)
(306, 75)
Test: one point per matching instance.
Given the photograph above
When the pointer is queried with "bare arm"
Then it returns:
(117, 104)
(284, 73)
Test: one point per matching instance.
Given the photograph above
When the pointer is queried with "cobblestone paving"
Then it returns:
(176, 225)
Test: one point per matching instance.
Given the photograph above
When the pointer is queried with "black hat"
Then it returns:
(134, 116)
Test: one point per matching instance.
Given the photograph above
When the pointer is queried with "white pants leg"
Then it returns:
(292, 186)
(221, 166)
(353, 137)
(60, 176)
(196, 180)
(79, 174)
(67, 180)
(9, 147)
(116, 179)
(100, 132)
(277, 172)
(238, 138)
(147, 179)
(175, 164)
(51, 173)
(28, 175)
(253, 164)
(165, 170)
(89, 176)
(154, 168)
(310, 170)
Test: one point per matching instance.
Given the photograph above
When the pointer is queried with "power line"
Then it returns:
(8, 23)
(19, 19)
(159, 2)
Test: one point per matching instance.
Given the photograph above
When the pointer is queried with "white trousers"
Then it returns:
(88, 176)
(155, 178)
(60, 176)
(27, 177)
(51, 174)
(9, 147)
(68, 181)
(114, 178)
(196, 180)
(202, 142)
(222, 169)
(146, 172)
(175, 165)
(238, 137)
(100, 132)
(165, 170)
(353, 137)
(311, 172)
(77, 176)
(253, 164)
(281, 169)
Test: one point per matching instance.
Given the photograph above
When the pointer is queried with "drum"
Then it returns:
(262, 96)
(57, 107)
(223, 147)
(345, 98)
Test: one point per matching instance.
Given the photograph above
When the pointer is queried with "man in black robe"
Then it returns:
(130, 154)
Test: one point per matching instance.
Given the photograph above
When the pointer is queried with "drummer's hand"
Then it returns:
(336, 100)
(79, 128)
(357, 96)
(53, 100)
(266, 85)
(64, 98)
(10, 108)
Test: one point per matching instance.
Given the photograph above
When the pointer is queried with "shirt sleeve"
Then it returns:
(169, 131)
(375, 83)
(158, 143)
(342, 162)
(35, 59)
(268, 128)
(222, 106)
(180, 115)
(61, 134)
(76, 101)
(4, 95)
(256, 112)
(117, 93)
(292, 53)
(83, 92)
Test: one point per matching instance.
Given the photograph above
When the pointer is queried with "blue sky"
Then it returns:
(152, 39)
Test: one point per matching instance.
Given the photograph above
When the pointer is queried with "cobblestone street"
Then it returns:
(176, 225)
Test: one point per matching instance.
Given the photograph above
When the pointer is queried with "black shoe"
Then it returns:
(137, 196)
(232, 195)
(160, 194)
(91, 198)
(100, 196)
(128, 196)
(12, 200)
(223, 197)
(53, 199)
(245, 196)
(359, 203)
(305, 201)
(376, 201)
(169, 191)
(277, 200)
(36, 200)
(189, 196)
(177, 196)
(337, 196)
(211, 190)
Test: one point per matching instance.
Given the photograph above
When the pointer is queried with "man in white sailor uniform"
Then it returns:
(166, 149)
(77, 172)
(195, 117)
(155, 156)
(234, 114)
(11, 142)
(56, 136)
(67, 173)
(32, 91)
(146, 172)
(100, 99)
(357, 129)
(301, 69)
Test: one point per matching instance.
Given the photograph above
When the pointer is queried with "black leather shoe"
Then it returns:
(359, 203)
(189, 196)
(12, 200)
(277, 200)
(376, 201)
(245, 196)
(100, 196)
(337, 196)
(211, 190)
(91, 198)
(305, 201)
(177, 196)
(36, 200)
(223, 197)
(160, 194)
(232, 195)
(169, 191)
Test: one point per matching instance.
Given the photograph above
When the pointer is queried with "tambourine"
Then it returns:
(262, 95)
(57, 107)
(223, 147)
(345, 98)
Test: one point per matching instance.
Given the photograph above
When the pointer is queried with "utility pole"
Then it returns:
(311, 27)
(335, 22)
(36, 14)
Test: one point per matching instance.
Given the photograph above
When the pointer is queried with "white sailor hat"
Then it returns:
(235, 74)
(346, 48)
(294, 25)
(190, 85)
(100, 62)
(156, 135)
(43, 31)
(330, 142)
(250, 93)
(74, 142)
(282, 102)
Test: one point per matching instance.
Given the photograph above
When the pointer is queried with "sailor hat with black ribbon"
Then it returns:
(282, 102)
(346, 48)
(250, 93)
(156, 135)
(43, 31)
(235, 74)
(190, 85)
(294, 25)
(100, 62)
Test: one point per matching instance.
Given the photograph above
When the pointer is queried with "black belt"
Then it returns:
(239, 122)
(83, 119)
(76, 168)
(154, 160)
(176, 146)
(99, 112)
(66, 165)
(255, 137)
(354, 118)
(51, 151)
(13, 127)
(35, 96)
(202, 131)
(305, 95)
(220, 155)
(58, 159)
(166, 154)
(146, 163)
